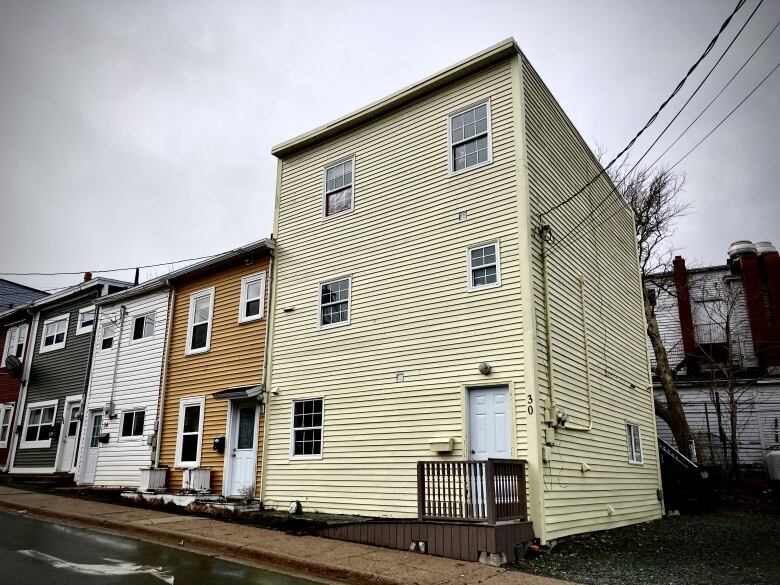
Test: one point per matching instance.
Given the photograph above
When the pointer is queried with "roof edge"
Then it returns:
(497, 52)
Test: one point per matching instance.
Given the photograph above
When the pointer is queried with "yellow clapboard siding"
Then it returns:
(235, 358)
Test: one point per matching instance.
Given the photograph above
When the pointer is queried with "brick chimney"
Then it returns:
(684, 306)
(769, 261)
(87, 276)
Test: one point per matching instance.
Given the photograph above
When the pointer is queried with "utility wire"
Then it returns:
(108, 269)
(668, 148)
(620, 207)
(647, 151)
(652, 118)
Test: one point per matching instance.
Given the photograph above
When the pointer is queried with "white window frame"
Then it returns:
(348, 278)
(632, 458)
(8, 406)
(46, 443)
(451, 146)
(136, 438)
(293, 456)
(103, 336)
(13, 333)
(193, 298)
(245, 281)
(54, 346)
(143, 316)
(80, 329)
(469, 280)
(325, 191)
(184, 403)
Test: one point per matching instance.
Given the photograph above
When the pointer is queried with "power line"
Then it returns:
(107, 269)
(668, 148)
(653, 117)
(647, 151)
(620, 207)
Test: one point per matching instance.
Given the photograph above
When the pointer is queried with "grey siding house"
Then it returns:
(57, 368)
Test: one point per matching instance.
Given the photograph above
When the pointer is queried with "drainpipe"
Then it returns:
(18, 419)
(164, 373)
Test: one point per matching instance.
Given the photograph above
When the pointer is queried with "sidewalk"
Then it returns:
(315, 557)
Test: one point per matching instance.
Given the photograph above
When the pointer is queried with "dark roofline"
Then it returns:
(43, 292)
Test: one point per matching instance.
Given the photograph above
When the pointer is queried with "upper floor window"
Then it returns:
(107, 341)
(484, 266)
(634, 443)
(199, 328)
(334, 302)
(143, 326)
(55, 332)
(338, 187)
(252, 297)
(86, 320)
(15, 340)
(469, 137)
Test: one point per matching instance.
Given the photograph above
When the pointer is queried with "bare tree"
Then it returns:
(654, 196)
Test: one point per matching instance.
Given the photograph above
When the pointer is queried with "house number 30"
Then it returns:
(530, 404)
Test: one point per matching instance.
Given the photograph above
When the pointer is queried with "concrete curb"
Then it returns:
(208, 545)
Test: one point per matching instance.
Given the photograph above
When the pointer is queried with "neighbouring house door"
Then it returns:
(489, 423)
(70, 435)
(242, 455)
(91, 446)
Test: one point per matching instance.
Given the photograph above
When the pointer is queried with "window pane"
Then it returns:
(191, 419)
(338, 201)
(138, 328)
(35, 416)
(471, 159)
(457, 122)
(199, 335)
(59, 338)
(88, 318)
(127, 424)
(201, 312)
(471, 147)
(481, 126)
(189, 448)
(61, 326)
(468, 117)
(6, 416)
(97, 420)
(148, 325)
(138, 423)
(457, 135)
(246, 428)
(44, 432)
(48, 415)
(31, 434)
(253, 308)
(253, 290)
(482, 155)
(72, 428)
(107, 343)
(469, 130)
(460, 163)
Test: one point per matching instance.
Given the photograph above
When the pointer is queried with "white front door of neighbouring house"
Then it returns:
(91, 446)
(70, 432)
(489, 436)
(242, 453)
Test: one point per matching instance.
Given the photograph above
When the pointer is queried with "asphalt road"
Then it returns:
(40, 553)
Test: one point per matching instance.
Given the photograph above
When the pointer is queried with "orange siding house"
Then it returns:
(212, 395)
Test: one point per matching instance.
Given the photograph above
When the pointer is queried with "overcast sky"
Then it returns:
(140, 132)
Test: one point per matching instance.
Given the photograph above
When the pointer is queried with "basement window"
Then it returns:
(634, 443)
(307, 429)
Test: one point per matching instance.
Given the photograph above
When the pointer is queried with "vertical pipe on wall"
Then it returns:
(164, 373)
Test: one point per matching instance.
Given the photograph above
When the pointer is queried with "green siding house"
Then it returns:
(55, 378)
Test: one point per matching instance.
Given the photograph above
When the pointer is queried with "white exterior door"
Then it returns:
(70, 433)
(242, 454)
(91, 447)
(489, 436)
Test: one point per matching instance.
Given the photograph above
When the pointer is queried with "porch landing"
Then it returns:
(455, 540)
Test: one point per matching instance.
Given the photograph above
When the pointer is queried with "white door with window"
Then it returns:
(70, 434)
(91, 446)
(489, 436)
(242, 454)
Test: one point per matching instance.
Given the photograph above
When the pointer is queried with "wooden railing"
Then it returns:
(473, 491)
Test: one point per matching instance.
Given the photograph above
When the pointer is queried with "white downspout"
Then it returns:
(122, 313)
(164, 373)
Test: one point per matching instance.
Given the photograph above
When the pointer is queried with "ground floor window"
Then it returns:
(38, 424)
(132, 424)
(6, 416)
(634, 443)
(307, 429)
(188, 444)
